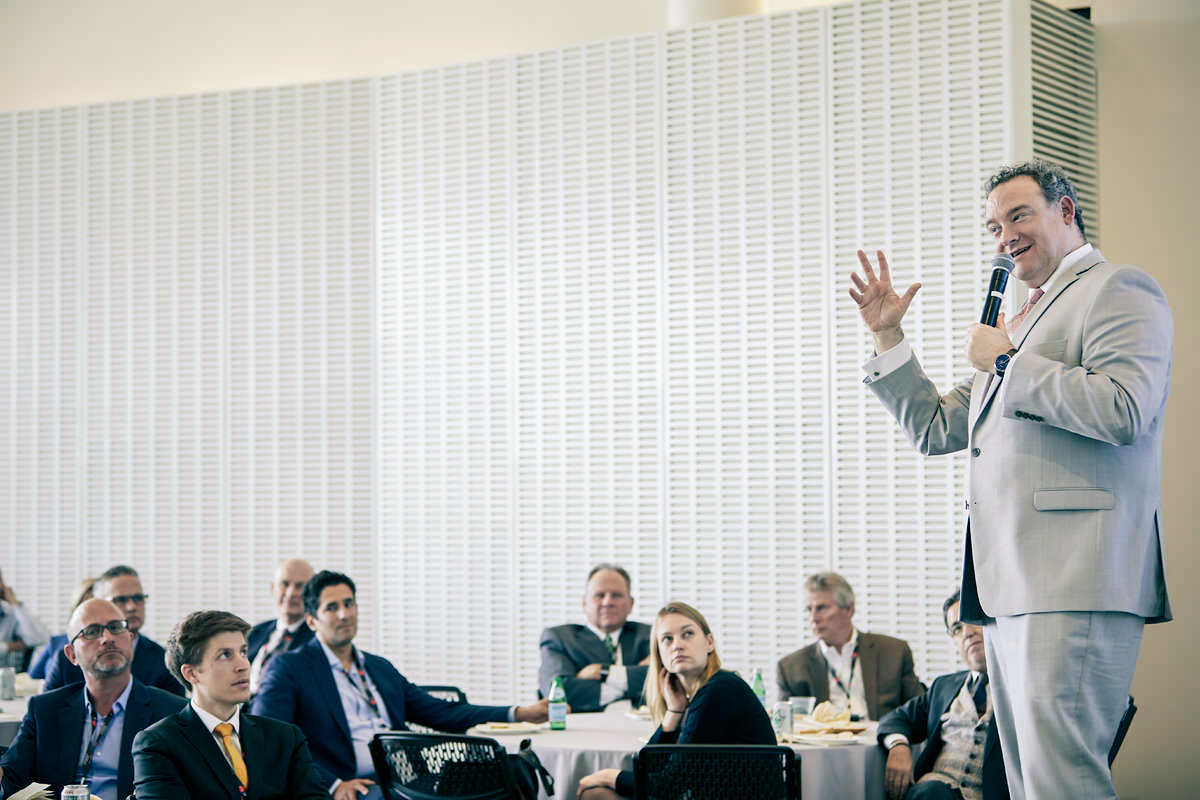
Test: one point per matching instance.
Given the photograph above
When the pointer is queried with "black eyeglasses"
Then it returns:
(122, 599)
(116, 627)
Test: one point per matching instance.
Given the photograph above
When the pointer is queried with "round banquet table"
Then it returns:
(612, 737)
(11, 714)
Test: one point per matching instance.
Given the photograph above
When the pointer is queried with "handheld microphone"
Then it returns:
(1002, 264)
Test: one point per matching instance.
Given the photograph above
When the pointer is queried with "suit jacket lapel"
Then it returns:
(627, 641)
(319, 667)
(937, 711)
(1090, 260)
(69, 719)
(253, 752)
(137, 717)
(868, 657)
(202, 739)
(982, 399)
(818, 672)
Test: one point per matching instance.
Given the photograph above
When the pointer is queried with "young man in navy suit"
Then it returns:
(84, 732)
(211, 749)
(340, 696)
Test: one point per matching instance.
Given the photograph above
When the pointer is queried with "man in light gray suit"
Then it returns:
(605, 660)
(1062, 422)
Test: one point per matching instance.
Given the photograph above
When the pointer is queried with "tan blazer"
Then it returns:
(887, 668)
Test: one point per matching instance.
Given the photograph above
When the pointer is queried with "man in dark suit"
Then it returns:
(961, 759)
(867, 672)
(210, 749)
(340, 696)
(121, 586)
(287, 631)
(604, 660)
(109, 709)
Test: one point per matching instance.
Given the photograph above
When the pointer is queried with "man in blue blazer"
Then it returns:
(605, 660)
(121, 586)
(287, 630)
(962, 757)
(1062, 426)
(110, 705)
(340, 696)
(212, 749)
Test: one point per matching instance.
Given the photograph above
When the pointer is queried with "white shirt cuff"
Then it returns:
(615, 686)
(893, 739)
(887, 362)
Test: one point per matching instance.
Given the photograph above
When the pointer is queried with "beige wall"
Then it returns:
(60, 52)
(1149, 66)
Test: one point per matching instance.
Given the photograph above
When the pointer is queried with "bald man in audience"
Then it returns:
(84, 732)
(869, 673)
(287, 630)
(121, 586)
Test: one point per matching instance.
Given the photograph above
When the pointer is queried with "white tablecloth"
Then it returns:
(611, 738)
(11, 714)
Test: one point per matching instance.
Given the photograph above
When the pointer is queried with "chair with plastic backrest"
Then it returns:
(451, 693)
(1122, 729)
(716, 772)
(422, 766)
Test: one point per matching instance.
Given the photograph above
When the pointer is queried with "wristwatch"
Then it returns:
(1002, 362)
(603, 674)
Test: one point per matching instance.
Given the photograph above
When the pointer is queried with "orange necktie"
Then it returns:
(225, 731)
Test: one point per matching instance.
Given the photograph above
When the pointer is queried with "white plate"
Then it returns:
(509, 728)
(825, 740)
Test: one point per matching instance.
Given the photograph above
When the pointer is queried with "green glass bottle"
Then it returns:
(558, 705)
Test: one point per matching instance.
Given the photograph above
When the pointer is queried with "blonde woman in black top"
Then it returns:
(693, 700)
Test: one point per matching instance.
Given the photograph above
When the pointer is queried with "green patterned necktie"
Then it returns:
(611, 647)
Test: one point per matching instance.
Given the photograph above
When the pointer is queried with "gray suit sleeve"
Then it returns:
(934, 423)
(582, 694)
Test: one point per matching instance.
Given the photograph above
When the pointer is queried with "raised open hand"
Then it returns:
(878, 304)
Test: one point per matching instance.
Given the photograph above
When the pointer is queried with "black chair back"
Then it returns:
(1122, 729)
(716, 772)
(451, 693)
(421, 766)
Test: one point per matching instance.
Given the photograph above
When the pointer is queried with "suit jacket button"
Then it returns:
(975, 452)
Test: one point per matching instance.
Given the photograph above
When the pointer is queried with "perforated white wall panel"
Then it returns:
(464, 332)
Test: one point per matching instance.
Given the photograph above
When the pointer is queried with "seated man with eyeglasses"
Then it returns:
(83, 733)
(961, 759)
(121, 586)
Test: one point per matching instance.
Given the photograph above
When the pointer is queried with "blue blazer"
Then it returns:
(566, 649)
(149, 667)
(920, 719)
(298, 687)
(48, 744)
(261, 632)
(178, 757)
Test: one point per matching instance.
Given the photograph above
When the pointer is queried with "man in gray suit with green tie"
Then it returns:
(605, 660)
(1062, 422)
